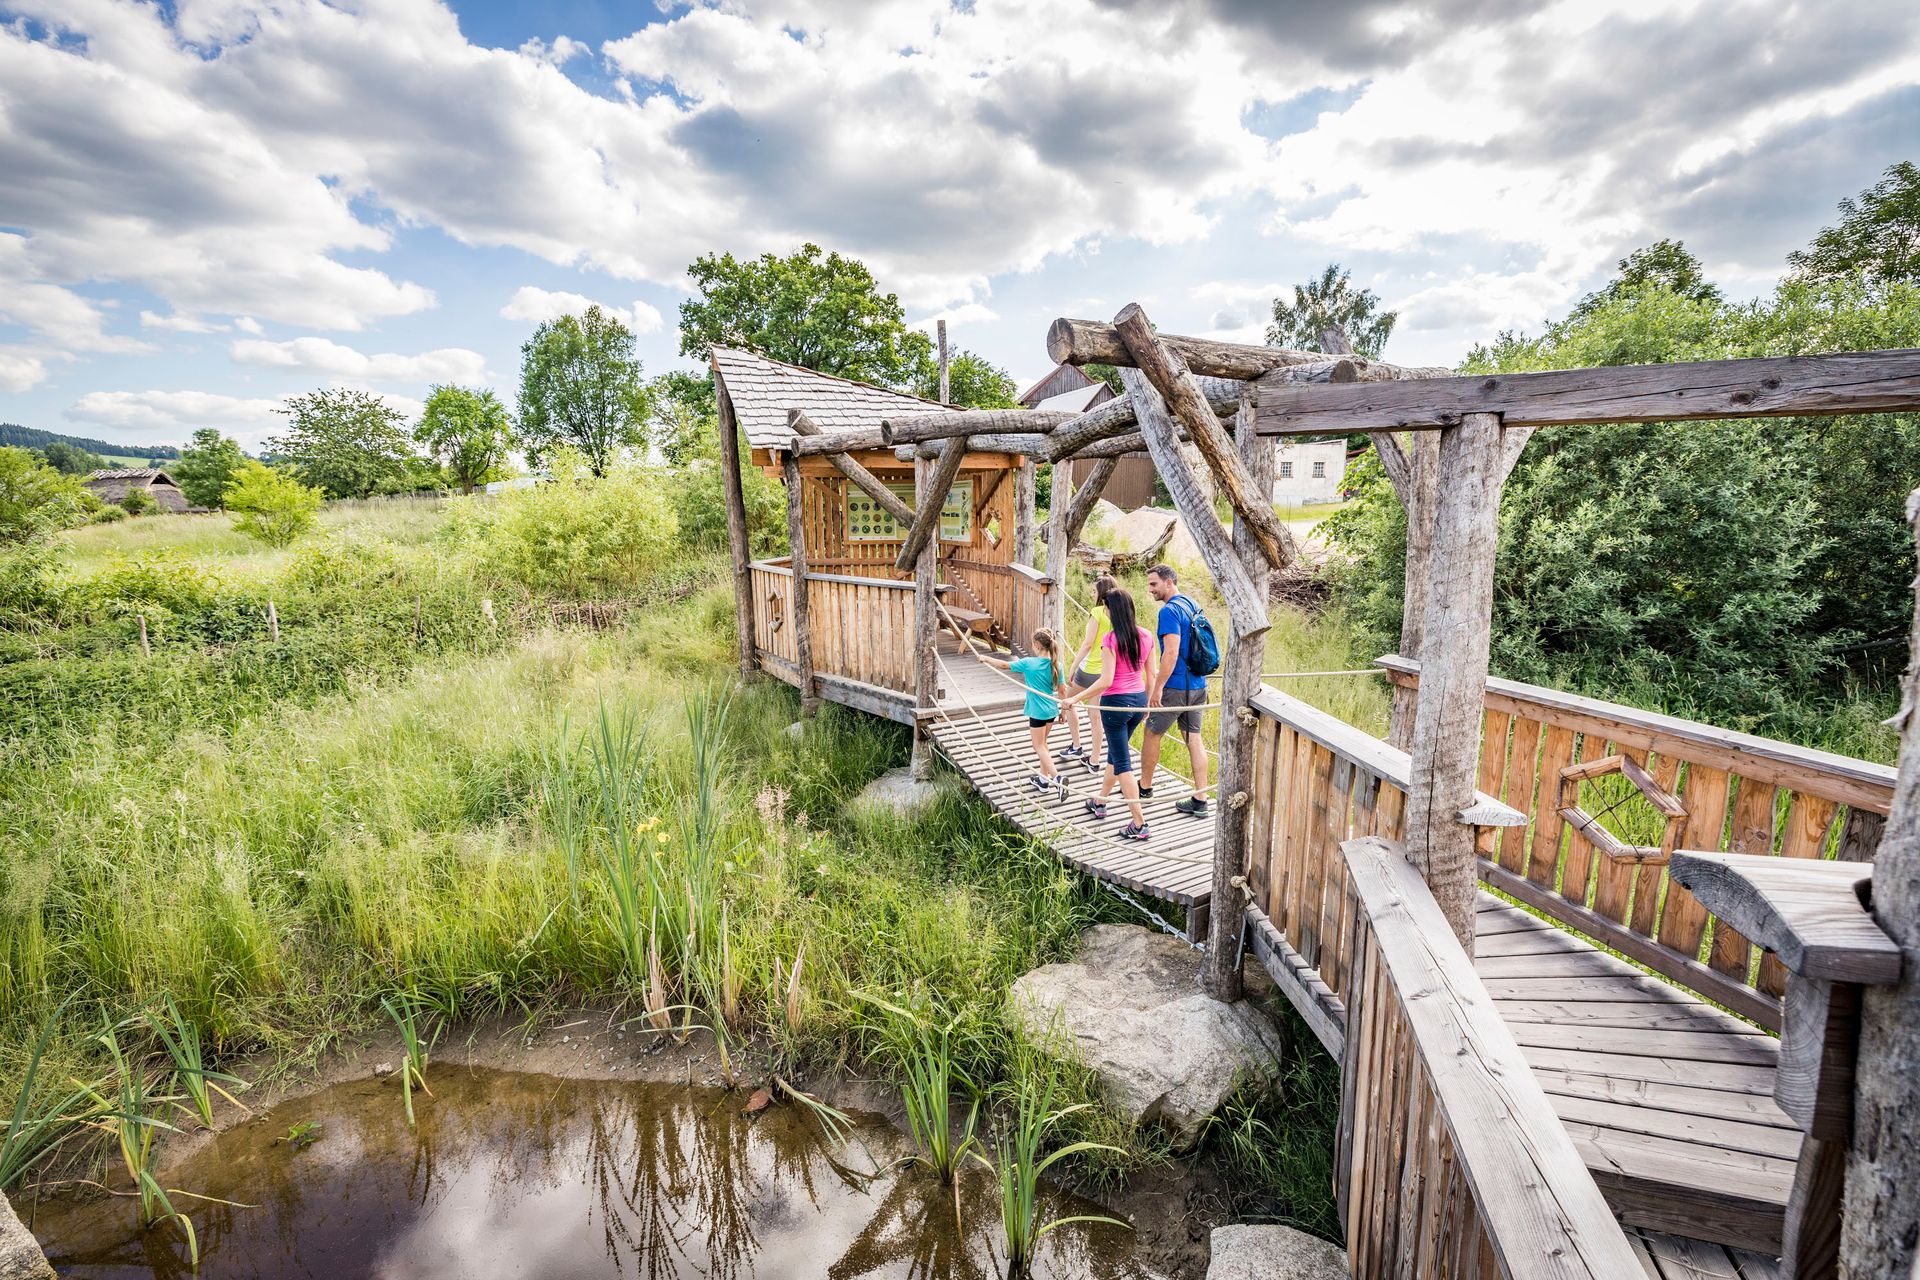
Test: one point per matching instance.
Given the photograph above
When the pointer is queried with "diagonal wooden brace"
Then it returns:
(927, 522)
(889, 501)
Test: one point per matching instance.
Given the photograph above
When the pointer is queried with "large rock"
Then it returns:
(1273, 1253)
(1131, 1009)
(20, 1256)
(897, 793)
(1139, 530)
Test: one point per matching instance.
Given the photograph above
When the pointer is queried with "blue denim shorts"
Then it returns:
(1120, 715)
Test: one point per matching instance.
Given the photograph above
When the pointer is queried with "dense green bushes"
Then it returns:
(1753, 573)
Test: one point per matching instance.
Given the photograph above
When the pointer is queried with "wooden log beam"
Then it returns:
(837, 442)
(1246, 601)
(1092, 342)
(1086, 495)
(1059, 549)
(739, 547)
(802, 616)
(804, 428)
(926, 523)
(914, 428)
(1023, 444)
(1026, 480)
(1116, 418)
(1163, 368)
(1774, 386)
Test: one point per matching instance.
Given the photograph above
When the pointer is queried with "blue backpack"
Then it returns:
(1203, 649)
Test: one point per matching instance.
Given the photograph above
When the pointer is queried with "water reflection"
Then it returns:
(525, 1175)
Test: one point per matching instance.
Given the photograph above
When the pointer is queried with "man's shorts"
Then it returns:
(1162, 720)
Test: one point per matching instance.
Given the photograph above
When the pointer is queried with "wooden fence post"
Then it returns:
(737, 545)
(1058, 552)
(926, 622)
(1453, 665)
(1233, 791)
(146, 650)
(1026, 477)
(273, 622)
(802, 622)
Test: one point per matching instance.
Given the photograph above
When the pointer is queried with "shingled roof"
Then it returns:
(762, 390)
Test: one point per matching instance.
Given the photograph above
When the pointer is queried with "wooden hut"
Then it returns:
(115, 485)
(1068, 388)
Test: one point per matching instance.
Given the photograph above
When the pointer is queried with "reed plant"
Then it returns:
(405, 1009)
(180, 1037)
(923, 1049)
(134, 1116)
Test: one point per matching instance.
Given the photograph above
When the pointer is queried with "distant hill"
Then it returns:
(12, 433)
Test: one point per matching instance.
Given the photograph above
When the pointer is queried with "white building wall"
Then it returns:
(1308, 471)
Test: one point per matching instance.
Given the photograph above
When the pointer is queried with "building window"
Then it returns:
(1286, 471)
(1319, 471)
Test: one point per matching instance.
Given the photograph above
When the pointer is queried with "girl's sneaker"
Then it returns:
(1093, 765)
(1074, 753)
(1133, 832)
(1096, 808)
(1060, 785)
(1040, 782)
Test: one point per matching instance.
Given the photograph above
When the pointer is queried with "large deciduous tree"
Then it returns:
(810, 308)
(71, 459)
(1878, 235)
(973, 382)
(1664, 264)
(580, 386)
(344, 443)
(206, 466)
(1331, 302)
(467, 432)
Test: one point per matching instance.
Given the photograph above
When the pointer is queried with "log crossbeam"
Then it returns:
(804, 429)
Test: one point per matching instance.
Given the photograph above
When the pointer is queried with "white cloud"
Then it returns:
(178, 323)
(322, 356)
(537, 306)
(247, 324)
(974, 313)
(20, 369)
(563, 50)
(163, 417)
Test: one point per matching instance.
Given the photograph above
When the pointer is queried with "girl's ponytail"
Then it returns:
(1046, 639)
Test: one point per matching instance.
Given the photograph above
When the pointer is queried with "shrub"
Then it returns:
(272, 506)
(700, 504)
(574, 532)
(34, 498)
(137, 502)
(107, 513)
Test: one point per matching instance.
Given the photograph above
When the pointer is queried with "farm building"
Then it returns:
(115, 485)
(1068, 388)
(1309, 471)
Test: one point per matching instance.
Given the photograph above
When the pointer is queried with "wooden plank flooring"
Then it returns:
(1668, 1099)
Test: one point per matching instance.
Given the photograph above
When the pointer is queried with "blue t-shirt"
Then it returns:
(1038, 673)
(1176, 619)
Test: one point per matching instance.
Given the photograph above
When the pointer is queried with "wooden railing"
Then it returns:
(1317, 782)
(1451, 1162)
(1728, 791)
(1013, 594)
(862, 628)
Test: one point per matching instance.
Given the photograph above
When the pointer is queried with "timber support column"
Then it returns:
(1025, 496)
(1453, 667)
(1233, 788)
(926, 621)
(1060, 502)
(737, 545)
(802, 618)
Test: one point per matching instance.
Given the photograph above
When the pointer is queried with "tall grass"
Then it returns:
(923, 1049)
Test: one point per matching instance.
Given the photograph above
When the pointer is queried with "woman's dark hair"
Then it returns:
(1101, 585)
(1126, 632)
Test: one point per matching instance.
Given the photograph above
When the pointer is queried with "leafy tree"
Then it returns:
(272, 505)
(810, 308)
(1331, 300)
(35, 499)
(71, 459)
(206, 466)
(580, 386)
(686, 418)
(1664, 264)
(973, 382)
(467, 432)
(1108, 374)
(1878, 234)
(344, 443)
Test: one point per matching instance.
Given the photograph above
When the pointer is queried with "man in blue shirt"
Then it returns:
(1175, 688)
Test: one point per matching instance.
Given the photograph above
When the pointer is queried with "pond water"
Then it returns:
(514, 1174)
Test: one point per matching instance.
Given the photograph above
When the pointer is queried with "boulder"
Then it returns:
(898, 794)
(1105, 515)
(1130, 1008)
(1273, 1253)
(1141, 530)
(20, 1256)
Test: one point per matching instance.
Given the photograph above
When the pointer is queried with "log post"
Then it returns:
(926, 623)
(1453, 667)
(1880, 1227)
(1182, 394)
(941, 327)
(927, 508)
(1418, 472)
(737, 545)
(802, 619)
(1233, 791)
(1059, 553)
(1025, 497)
(1087, 494)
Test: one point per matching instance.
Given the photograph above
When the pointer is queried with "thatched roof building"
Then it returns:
(114, 485)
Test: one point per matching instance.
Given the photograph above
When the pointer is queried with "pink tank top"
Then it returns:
(1128, 677)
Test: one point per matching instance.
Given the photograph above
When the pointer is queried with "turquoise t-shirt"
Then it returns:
(1038, 673)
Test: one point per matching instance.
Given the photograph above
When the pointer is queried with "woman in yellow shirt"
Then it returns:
(1086, 673)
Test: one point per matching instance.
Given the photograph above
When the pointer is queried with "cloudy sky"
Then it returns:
(207, 205)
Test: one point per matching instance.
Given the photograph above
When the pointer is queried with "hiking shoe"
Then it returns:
(1040, 782)
(1060, 785)
(1146, 793)
(1074, 753)
(1093, 765)
(1097, 808)
(1193, 806)
(1133, 831)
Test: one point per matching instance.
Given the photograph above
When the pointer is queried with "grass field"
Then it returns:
(211, 540)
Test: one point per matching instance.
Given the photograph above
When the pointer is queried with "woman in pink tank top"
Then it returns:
(1121, 695)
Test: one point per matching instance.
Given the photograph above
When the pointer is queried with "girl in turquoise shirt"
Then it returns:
(1045, 680)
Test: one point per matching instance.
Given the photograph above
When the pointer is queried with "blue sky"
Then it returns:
(210, 205)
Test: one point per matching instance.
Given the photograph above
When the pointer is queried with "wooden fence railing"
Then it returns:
(1317, 782)
(862, 628)
(1451, 1161)
(1611, 791)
